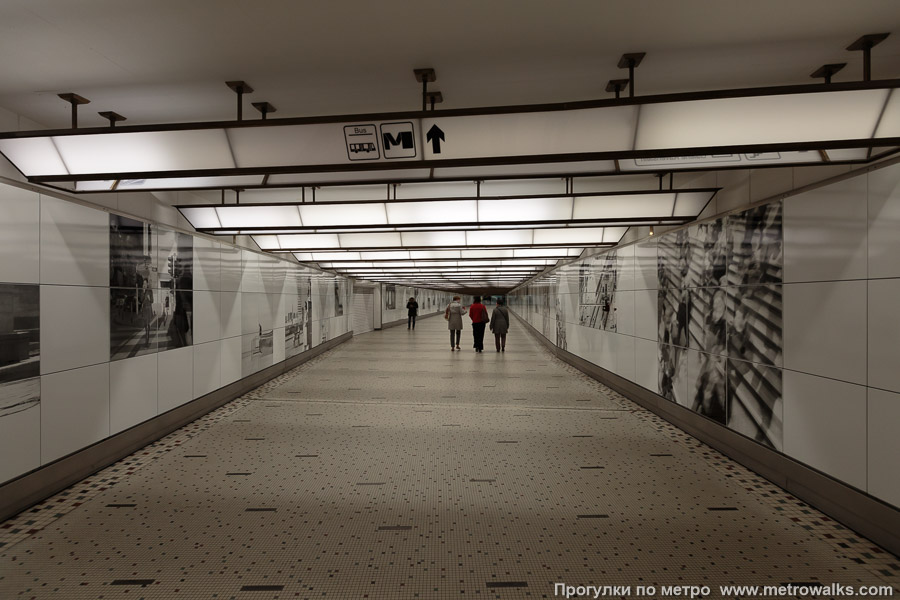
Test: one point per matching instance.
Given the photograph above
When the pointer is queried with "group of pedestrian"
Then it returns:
(478, 313)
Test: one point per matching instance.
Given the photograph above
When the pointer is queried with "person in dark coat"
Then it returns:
(500, 325)
(412, 310)
(479, 315)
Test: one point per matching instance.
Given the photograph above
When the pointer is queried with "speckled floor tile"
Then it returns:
(391, 467)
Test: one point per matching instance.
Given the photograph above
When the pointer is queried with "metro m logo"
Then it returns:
(398, 140)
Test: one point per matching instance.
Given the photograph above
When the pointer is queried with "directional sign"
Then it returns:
(435, 136)
(362, 142)
(398, 139)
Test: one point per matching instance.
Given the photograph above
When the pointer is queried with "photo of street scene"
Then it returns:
(20, 356)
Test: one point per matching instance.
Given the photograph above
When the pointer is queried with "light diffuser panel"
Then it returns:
(844, 115)
(624, 206)
(318, 215)
(250, 215)
(441, 211)
(145, 151)
(525, 209)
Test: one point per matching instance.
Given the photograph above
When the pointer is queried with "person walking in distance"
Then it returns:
(479, 315)
(454, 314)
(412, 309)
(500, 325)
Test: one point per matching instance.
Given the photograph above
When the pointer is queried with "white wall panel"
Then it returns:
(74, 327)
(251, 281)
(625, 351)
(207, 368)
(230, 265)
(20, 441)
(74, 244)
(645, 314)
(825, 425)
(884, 222)
(20, 231)
(278, 345)
(133, 384)
(646, 364)
(626, 266)
(825, 233)
(625, 312)
(249, 313)
(207, 264)
(646, 275)
(176, 378)
(207, 317)
(825, 329)
(74, 410)
(884, 334)
(231, 312)
(231, 360)
(884, 445)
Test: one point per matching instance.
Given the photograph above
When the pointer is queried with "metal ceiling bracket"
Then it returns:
(865, 45)
(74, 100)
(630, 61)
(112, 117)
(264, 108)
(827, 71)
(617, 86)
(434, 98)
(425, 76)
(240, 88)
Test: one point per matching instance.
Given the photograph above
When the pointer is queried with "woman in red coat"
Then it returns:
(479, 315)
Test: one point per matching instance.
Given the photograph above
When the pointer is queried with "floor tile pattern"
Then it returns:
(392, 467)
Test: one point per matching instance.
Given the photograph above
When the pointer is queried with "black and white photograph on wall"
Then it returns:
(673, 373)
(561, 323)
(133, 314)
(390, 297)
(673, 256)
(755, 323)
(598, 281)
(755, 403)
(176, 283)
(297, 319)
(708, 254)
(257, 351)
(673, 315)
(338, 297)
(132, 254)
(707, 385)
(707, 326)
(20, 348)
(134, 293)
(757, 245)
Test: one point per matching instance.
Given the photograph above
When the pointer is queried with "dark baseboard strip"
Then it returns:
(29, 489)
(866, 515)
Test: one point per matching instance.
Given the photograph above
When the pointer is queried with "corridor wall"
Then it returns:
(108, 321)
(779, 322)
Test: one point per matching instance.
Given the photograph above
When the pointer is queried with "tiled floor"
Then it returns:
(392, 467)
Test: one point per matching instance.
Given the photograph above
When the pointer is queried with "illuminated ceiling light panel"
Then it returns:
(525, 209)
(258, 216)
(782, 119)
(765, 125)
(320, 215)
(439, 211)
(624, 206)
(453, 215)
(267, 242)
(425, 254)
(202, 218)
(148, 151)
(369, 240)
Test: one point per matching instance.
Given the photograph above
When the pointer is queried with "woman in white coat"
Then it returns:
(454, 314)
